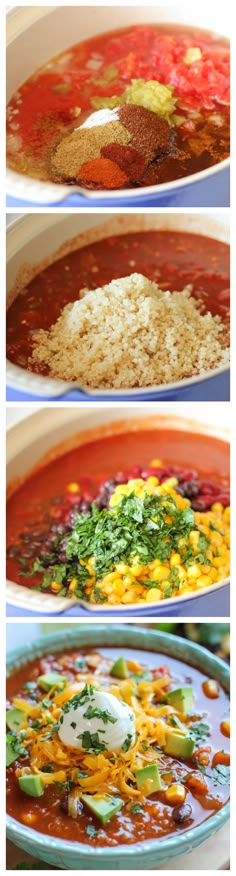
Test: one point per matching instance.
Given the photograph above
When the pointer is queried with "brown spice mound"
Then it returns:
(131, 334)
(150, 134)
(84, 145)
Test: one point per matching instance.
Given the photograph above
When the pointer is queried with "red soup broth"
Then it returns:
(45, 813)
(43, 499)
(51, 103)
(172, 259)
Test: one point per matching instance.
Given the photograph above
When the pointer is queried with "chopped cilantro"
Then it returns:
(127, 742)
(73, 725)
(199, 731)
(91, 742)
(135, 527)
(48, 768)
(137, 809)
(91, 830)
(79, 699)
(103, 714)
(215, 528)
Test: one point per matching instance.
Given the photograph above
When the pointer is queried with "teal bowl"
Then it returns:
(138, 856)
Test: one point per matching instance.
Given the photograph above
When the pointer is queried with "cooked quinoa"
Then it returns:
(131, 334)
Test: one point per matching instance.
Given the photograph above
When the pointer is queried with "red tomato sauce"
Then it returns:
(48, 105)
(40, 509)
(45, 814)
(171, 259)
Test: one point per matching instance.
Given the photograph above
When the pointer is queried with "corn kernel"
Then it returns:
(122, 568)
(73, 487)
(175, 560)
(161, 573)
(217, 507)
(175, 794)
(204, 581)
(55, 587)
(194, 571)
(153, 594)
(152, 481)
(156, 463)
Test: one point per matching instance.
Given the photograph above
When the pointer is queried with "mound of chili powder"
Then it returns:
(150, 134)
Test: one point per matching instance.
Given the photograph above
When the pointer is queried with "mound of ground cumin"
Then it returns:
(131, 334)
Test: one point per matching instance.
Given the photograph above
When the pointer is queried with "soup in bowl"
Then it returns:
(117, 746)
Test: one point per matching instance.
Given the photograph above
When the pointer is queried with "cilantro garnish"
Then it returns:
(91, 830)
(137, 809)
(199, 731)
(91, 742)
(79, 699)
(103, 714)
(127, 742)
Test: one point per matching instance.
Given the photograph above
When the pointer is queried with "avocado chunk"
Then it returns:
(119, 668)
(14, 719)
(179, 744)
(181, 698)
(31, 785)
(51, 679)
(150, 772)
(103, 807)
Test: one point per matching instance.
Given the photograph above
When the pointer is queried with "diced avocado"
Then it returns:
(103, 807)
(51, 679)
(179, 744)
(181, 698)
(11, 755)
(150, 772)
(31, 785)
(14, 719)
(119, 668)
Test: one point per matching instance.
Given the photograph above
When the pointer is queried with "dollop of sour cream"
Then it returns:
(102, 714)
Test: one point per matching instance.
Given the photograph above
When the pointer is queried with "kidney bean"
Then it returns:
(25, 536)
(58, 528)
(207, 487)
(223, 498)
(182, 813)
(88, 496)
(135, 471)
(38, 534)
(120, 478)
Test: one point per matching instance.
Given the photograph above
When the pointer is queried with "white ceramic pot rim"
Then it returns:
(21, 379)
(45, 603)
(21, 186)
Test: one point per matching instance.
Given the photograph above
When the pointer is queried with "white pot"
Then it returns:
(50, 432)
(43, 238)
(36, 34)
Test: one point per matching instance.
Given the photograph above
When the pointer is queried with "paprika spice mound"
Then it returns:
(150, 134)
(128, 159)
(103, 172)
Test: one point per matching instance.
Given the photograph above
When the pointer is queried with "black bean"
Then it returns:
(13, 550)
(85, 506)
(179, 490)
(27, 553)
(191, 489)
(182, 813)
(25, 536)
(57, 500)
(58, 528)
